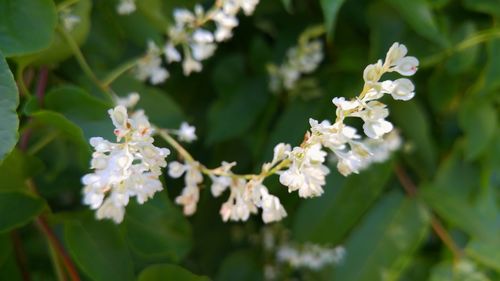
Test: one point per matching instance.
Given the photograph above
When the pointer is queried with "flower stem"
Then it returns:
(83, 63)
(119, 71)
(437, 226)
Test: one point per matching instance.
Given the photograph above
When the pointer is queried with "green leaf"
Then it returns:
(384, 242)
(489, 81)
(464, 60)
(330, 10)
(419, 16)
(479, 120)
(414, 122)
(334, 212)
(234, 116)
(158, 230)
(26, 207)
(59, 50)
(241, 266)
(9, 100)
(99, 250)
(26, 26)
(485, 251)
(14, 171)
(161, 272)
(86, 111)
(58, 121)
(491, 7)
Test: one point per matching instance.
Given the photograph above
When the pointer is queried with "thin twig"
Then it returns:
(42, 224)
(20, 256)
(437, 226)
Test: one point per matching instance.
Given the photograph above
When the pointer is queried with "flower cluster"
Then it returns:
(303, 168)
(301, 59)
(130, 167)
(245, 198)
(306, 172)
(196, 42)
(126, 7)
(310, 256)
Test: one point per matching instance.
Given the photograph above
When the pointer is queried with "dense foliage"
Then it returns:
(431, 212)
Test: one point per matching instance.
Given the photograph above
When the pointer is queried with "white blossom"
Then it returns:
(130, 167)
(149, 67)
(171, 53)
(192, 178)
(186, 132)
(126, 7)
(310, 256)
(128, 101)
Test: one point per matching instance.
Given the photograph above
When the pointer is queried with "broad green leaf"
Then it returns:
(485, 251)
(99, 250)
(419, 16)
(59, 49)
(485, 6)
(61, 123)
(336, 213)
(384, 242)
(464, 270)
(153, 10)
(462, 61)
(172, 272)
(86, 111)
(16, 168)
(26, 208)
(157, 230)
(9, 268)
(479, 120)
(330, 10)
(26, 26)
(241, 266)
(234, 116)
(415, 125)
(9, 100)
(489, 81)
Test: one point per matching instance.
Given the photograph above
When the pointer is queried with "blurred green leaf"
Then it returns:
(153, 10)
(334, 212)
(489, 81)
(59, 49)
(380, 248)
(26, 208)
(484, 6)
(99, 250)
(479, 120)
(419, 16)
(414, 122)
(172, 272)
(462, 61)
(9, 100)
(61, 123)
(234, 116)
(9, 269)
(88, 112)
(464, 270)
(241, 266)
(26, 26)
(158, 230)
(330, 10)
(16, 168)
(228, 74)
(485, 251)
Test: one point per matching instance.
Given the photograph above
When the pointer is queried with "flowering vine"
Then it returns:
(189, 38)
(132, 166)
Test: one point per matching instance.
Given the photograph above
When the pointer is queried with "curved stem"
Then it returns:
(437, 226)
(119, 71)
(83, 63)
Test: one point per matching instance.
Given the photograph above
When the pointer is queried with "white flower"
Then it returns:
(310, 256)
(221, 183)
(403, 89)
(192, 178)
(171, 53)
(395, 53)
(373, 115)
(272, 210)
(128, 168)
(190, 65)
(281, 151)
(248, 6)
(149, 67)
(126, 7)
(202, 36)
(202, 51)
(407, 66)
(237, 207)
(183, 16)
(176, 169)
(372, 72)
(129, 101)
(306, 173)
(186, 132)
